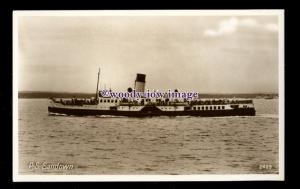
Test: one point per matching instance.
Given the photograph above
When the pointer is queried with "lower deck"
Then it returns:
(154, 111)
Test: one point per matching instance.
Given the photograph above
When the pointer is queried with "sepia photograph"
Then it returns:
(160, 95)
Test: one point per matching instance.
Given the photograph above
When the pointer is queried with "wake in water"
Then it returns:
(97, 116)
(107, 116)
(268, 115)
(56, 114)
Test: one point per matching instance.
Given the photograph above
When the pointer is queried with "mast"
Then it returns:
(97, 85)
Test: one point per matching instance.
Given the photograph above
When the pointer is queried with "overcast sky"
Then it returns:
(207, 54)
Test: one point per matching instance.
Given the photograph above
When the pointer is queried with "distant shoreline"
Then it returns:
(38, 94)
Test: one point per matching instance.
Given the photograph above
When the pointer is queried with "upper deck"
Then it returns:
(155, 102)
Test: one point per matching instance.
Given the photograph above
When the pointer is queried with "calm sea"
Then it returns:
(157, 145)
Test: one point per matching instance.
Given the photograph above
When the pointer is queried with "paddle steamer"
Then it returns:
(108, 106)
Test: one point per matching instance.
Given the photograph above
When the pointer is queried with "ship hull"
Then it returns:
(202, 113)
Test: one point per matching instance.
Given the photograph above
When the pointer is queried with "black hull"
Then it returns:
(202, 113)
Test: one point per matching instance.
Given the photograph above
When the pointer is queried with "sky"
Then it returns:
(207, 54)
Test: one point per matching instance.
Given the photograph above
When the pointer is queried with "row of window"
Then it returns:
(125, 107)
(209, 108)
(167, 108)
(108, 100)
